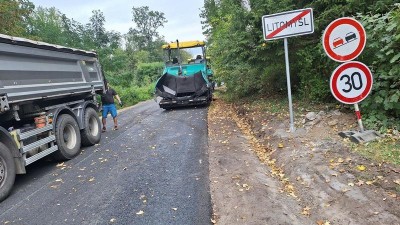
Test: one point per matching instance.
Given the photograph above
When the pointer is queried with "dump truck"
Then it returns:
(185, 83)
(48, 104)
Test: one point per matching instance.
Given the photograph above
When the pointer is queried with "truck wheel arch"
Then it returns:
(7, 140)
(63, 110)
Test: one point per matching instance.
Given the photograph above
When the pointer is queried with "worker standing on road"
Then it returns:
(107, 100)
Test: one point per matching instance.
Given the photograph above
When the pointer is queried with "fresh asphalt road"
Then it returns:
(153, 170)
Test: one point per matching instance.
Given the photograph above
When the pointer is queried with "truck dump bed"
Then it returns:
(31, 70)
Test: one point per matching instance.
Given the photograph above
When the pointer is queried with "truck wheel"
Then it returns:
(91, 133)
(7, 171)
(68, 137)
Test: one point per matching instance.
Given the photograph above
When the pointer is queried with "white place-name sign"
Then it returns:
(288, 24)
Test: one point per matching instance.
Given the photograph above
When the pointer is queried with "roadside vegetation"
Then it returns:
(254, 70)
(250, 66)
(131, 62)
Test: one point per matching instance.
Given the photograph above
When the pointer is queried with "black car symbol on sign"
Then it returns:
(351, 36)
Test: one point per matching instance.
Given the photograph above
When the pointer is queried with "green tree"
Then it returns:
(13, 16)
(97, 29)
(46, 24)
(145, 35)
(147, 22)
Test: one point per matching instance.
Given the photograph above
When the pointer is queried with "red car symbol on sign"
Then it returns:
(338, 42)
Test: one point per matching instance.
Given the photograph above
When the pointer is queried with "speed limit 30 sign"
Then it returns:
(351, 82)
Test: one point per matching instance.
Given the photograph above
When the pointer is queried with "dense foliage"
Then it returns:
(250, 66)
(131, 62)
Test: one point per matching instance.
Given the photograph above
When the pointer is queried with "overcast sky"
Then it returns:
(182, 15)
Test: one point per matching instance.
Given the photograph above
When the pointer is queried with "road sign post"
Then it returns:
(292, 129)
(358, 114)
(284, 25)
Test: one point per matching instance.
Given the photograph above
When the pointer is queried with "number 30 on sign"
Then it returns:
(351, 82)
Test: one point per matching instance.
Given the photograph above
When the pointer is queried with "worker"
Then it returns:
(107, 101)
(198, 59)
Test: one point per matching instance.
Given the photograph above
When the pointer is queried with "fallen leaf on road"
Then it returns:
(360, 182)
(113, 220)
(306, 211)
(60, 180)
(91, 179)
(370, 182)
(340, 160)
(280, 145)
(397, 181)
(140, 212)
(351, 184)
(213, 221)
(361, 167)
(393, 195)
(174, 209)
(321, 222)
(236, 177)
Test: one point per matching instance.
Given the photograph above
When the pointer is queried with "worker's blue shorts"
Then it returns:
(109, 109)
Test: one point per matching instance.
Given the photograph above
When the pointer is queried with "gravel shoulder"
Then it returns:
(262, 174)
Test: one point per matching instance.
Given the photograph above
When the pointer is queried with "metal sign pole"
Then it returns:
(358, 114)
(292, 129)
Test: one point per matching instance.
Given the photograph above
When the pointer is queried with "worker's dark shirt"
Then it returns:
(108, 97)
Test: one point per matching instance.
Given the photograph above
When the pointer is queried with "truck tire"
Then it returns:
(91, 133)
(68, 138)
(7, 171)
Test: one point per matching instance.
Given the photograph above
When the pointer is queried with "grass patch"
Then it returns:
(384, 150)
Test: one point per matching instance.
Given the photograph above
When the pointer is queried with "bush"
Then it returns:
(134, 94)
(382, 54)
(147, 73)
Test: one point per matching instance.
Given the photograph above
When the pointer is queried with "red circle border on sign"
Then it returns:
(335, 76)
(331, 27)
